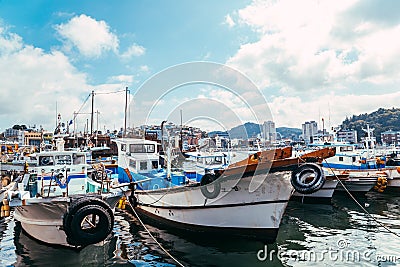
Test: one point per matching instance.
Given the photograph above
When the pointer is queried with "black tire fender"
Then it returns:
(301, 176)
(205, 181)
(77, 204)
(78, 235)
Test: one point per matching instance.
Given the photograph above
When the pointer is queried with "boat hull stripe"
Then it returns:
(215, 206)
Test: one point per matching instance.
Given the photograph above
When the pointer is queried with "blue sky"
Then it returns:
(309, 59)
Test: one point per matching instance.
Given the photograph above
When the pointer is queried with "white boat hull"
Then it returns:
(358, 185)
(324, 194)
(231, 210)
(42, 219)
(394, 183)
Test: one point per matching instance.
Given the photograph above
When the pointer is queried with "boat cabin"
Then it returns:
(139, 155)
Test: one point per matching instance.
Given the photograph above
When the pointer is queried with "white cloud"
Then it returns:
(89, 36)
(144, 68)
(310, 49)
(133, 51)
(33, 82)
(229, 21)
(122, 79)
(9, 42)
(333, 108)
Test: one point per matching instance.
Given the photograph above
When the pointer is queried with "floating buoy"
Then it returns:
(122, 203)
(5, 181)
(5, 209)
(381, 184)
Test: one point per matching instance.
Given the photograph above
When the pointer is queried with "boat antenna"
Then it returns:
(126, 108)
(57, 115)
(181, 143)
(91, 116)
(162, 135)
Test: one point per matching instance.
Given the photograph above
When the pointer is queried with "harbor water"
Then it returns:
(339, 234)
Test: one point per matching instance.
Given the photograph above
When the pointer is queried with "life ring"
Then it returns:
(79, 234)
(308, 178)
(44, 161)
(205, 181)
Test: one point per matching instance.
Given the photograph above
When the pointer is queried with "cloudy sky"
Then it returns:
(309, 60)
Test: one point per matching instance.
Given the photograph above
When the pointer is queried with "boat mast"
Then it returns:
(368, 139)
(181, 142)
(126, 108)
(91, 122)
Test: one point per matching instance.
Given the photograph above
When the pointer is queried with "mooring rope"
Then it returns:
(361, 206)
(155, 240)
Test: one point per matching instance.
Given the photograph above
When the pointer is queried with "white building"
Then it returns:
(269, 131)
(309, 130)
(347, 136)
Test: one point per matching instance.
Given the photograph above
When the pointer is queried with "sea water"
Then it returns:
(339, 234)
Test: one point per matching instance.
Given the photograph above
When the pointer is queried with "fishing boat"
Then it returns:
(323, 195)
(58, 203)
(360, 170)
(248, 198)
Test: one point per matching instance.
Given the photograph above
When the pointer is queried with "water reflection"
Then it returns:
(305, 228)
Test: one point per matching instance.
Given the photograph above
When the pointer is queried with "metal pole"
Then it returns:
(91, 122)
(74, 123)
(126, 108)
(181, 143)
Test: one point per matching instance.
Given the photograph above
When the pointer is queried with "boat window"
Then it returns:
(79, 159)
(132, 163)
(143, 165)
(354, 159)
(218, 159)
(340, 158)
(155, 164)
(46, 161)
(123, 147)
(346, 148)
(142, 148)
(63, 159)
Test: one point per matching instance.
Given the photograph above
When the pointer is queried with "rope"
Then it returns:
(107, 93)
(365, 211)
(76, 113)
(155, 240)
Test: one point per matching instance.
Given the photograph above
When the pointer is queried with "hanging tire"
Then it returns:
(308, 178)
(100, 175)
(77, 205)
(89, 225)
(205, 181)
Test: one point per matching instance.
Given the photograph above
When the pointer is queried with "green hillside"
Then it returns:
(382, 120)
(250, 129)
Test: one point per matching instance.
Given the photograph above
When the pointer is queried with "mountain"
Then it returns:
(245, 131)
(291, 133)
(250, 129)
(382, 120)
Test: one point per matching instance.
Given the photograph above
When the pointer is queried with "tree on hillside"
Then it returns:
(382, 120)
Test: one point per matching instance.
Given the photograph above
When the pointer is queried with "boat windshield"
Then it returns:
(142, 148)
(79, 159)
(346, 148)
(63, 160)
(46, 161)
